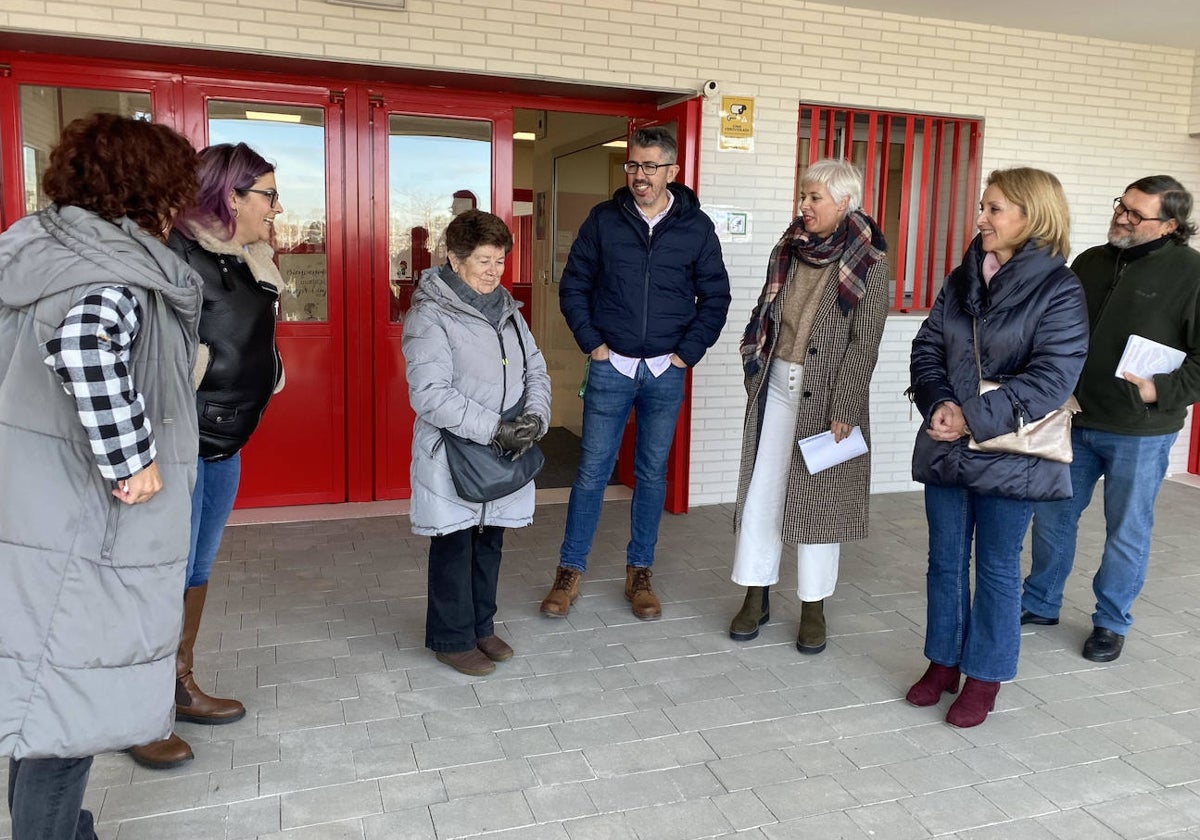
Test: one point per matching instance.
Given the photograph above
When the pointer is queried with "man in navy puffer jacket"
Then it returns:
(645, 293)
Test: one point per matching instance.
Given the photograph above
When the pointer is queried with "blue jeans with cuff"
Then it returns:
(607, 401)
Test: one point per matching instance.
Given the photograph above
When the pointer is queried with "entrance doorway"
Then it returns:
(369, 174)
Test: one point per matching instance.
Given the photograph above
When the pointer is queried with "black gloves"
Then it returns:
(517, 436)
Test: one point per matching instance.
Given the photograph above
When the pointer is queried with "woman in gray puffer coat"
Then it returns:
(467, 350)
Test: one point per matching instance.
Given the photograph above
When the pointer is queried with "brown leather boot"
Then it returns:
(192, 704)
(563, 593)
(812, 627)
(162, 755)
(640, 593)
(755, 612)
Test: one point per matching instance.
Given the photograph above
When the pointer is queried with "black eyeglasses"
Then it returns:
(272, 195)
(1135, 218)
(632, 166)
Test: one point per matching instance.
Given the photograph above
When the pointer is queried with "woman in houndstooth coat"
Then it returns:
(808, 352)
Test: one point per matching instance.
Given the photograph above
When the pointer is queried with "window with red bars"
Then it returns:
(921, 185)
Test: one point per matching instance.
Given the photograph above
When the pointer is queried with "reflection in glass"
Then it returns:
(437, 168)
(293, 138)
(45, 111)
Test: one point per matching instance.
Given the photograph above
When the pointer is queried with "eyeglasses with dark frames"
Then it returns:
(1135, 218)
(632, 166)
(272, 195)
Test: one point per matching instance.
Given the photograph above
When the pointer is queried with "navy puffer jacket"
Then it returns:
(643, 295)
(1033, 338)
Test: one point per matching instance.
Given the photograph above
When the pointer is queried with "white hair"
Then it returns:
(840, 177)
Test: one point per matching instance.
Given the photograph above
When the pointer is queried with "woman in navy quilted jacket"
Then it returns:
(1014, 301)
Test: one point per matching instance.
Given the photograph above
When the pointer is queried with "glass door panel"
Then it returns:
(436, 167)
(46, 110)
(294, 140)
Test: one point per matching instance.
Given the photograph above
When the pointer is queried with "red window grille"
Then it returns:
(921, 185)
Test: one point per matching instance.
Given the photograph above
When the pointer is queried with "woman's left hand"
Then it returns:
(841, 431)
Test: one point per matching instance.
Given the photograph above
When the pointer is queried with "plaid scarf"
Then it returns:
(857, 244)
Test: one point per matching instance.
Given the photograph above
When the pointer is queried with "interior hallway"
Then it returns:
(607, 727)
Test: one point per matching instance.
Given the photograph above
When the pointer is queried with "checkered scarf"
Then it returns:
(857, 244)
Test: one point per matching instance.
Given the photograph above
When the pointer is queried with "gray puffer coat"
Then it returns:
(90, 588)
(456, 381)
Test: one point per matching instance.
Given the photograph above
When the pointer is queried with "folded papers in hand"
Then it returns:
(821, 451)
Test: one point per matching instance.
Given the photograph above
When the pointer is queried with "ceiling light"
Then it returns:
(616, 144)
(270, 116)
(524, 135)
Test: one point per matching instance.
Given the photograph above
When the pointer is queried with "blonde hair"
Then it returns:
(1041, 198)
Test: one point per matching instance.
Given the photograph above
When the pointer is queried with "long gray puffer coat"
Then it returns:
(456, 381)
(90, 587)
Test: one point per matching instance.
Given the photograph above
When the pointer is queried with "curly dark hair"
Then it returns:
(467, 231)
(117, 166)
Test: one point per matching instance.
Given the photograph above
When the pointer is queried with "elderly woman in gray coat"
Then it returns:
(808, 353)
(467, 349)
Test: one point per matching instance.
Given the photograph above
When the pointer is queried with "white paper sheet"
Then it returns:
(1144, 358)
(821, 451)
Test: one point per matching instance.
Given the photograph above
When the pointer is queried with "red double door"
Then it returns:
(368, 177)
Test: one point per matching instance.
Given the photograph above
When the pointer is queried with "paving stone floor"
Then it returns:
(603, 726)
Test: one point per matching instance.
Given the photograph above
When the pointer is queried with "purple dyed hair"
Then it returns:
(225, 168)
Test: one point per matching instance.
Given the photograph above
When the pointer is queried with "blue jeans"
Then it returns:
(212, 500)
(982, 636)
(1133, 468)
(607, 402)
(45, 799)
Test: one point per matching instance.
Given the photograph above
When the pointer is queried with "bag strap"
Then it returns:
(504, 358)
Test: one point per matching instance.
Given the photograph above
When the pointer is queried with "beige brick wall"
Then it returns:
(1096, 113)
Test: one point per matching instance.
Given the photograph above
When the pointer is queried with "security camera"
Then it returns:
(711, 88)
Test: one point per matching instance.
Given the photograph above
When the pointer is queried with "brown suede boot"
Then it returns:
(162, 755)
(640, 593)
(755, 612)
(563, 593)
(192, 704)
(812, 627)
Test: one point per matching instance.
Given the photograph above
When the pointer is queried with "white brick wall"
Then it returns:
(1080, 107)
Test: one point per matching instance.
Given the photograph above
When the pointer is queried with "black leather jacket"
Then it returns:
(237, 323)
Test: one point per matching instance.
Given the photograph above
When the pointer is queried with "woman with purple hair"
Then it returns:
(226, 237)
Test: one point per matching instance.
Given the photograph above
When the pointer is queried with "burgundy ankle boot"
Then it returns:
(928, 690)
(972, 706)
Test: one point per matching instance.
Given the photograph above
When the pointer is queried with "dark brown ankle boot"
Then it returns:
(755, 612)
(811, 639)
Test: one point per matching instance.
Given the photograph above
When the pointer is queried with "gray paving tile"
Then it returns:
(330, 803)
(480, 814)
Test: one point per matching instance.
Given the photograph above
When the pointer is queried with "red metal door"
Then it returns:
(431, 157)
(299, 453)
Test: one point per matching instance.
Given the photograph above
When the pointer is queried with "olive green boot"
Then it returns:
(812, 627)
(755, 611)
